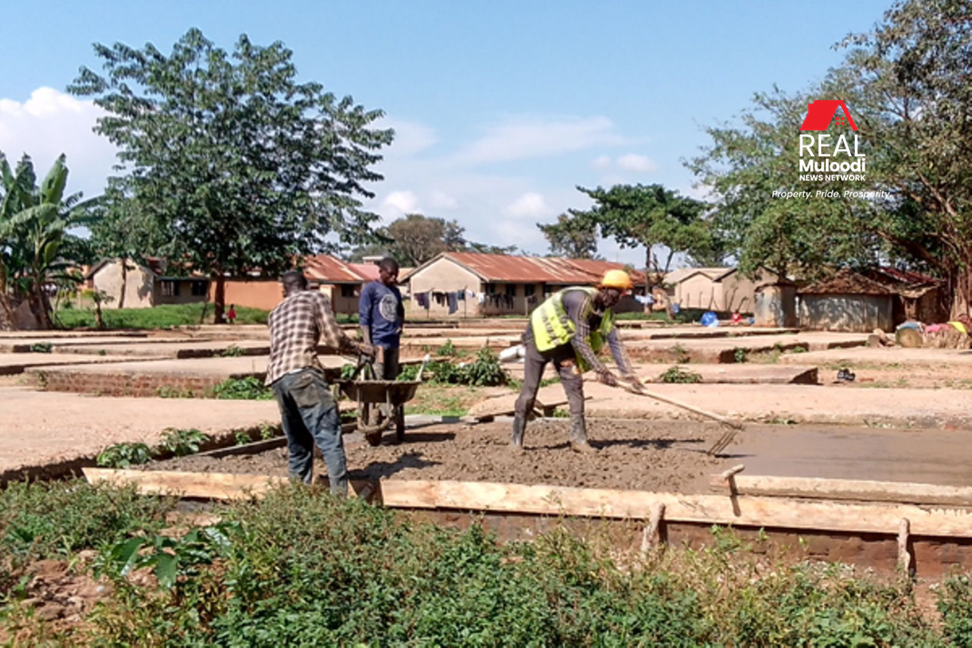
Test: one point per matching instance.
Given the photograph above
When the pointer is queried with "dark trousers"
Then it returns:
(309, 415)
(534, 362)
(386, 363)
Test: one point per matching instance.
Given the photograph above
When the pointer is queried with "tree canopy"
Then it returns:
(236, 164)
(573, 238)
(907, 84)
(647, 216)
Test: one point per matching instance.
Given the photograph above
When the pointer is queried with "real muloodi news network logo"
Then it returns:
(822, 158)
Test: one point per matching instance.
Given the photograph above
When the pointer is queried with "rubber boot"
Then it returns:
(519, 427)
(578, 436)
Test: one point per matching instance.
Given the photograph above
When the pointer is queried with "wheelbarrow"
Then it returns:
(381, 403)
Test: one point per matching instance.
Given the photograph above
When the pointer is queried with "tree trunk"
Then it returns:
(124, 286)
(219, 299)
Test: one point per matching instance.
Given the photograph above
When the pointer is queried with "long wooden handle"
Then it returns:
(701, 412)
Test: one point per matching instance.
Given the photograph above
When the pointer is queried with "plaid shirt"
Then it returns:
(297, 325)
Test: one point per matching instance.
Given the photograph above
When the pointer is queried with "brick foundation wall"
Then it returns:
(108, 384)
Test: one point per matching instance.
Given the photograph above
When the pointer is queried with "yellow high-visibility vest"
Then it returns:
(552, 327)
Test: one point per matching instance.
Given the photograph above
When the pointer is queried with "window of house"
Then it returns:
(511, 290)
(347, 290)
(170, 288)
(199, 288)
(490, 289)
(529, 290)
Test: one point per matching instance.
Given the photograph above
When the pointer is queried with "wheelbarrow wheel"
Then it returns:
(371, 416)
(400, 424)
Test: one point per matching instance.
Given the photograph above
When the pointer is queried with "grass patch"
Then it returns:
(443, 400)
(157, 317)
(257, 579)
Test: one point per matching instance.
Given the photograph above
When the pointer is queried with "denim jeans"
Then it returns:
(309, 415)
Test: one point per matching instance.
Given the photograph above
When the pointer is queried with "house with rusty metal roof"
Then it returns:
(471, 284)
(724, 290)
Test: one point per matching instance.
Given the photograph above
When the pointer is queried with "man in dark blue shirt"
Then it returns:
(382, 316)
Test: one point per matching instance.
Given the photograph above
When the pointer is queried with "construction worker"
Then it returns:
(569, 329)
(309, 413)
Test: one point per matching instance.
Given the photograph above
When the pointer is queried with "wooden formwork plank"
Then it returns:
(221, 486)
(706, 509)
(747, 511)
(187, 484)
(847, 489)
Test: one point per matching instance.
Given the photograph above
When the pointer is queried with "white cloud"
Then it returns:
(601, 162)
(442, 200)
(635, 162)
(399, 203)
(529, 205)
(530, 137)
(410, 137)
(50, 123)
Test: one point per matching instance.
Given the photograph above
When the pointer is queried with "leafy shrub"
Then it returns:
(168, 557)
(677, 374)
(393, 582)
(448, 349)
(955, 606)
(182, 442)
(123, 455)
(248, 388)
(232, 351)
(54, 519)
(41, 347)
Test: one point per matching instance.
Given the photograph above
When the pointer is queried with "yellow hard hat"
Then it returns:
(616, 279)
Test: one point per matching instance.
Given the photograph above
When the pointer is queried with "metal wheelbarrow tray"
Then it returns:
(369, 394)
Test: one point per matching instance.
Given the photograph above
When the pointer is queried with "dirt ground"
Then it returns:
(648, 455)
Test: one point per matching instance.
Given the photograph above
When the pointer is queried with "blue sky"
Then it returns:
(501, 107)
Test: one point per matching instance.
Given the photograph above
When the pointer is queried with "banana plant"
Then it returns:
(35, 224)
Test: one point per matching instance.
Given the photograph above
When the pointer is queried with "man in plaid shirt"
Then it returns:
(308, 410)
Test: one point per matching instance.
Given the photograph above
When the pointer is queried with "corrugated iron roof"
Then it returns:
(327, 269)
(846, 282)
(552, 270)
(905, 276)
(368, 270)
(681, 274)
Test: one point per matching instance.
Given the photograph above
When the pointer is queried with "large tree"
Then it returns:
(237, 164)
(36, 243)
(574, 238)
(745, 164)
(912, 79)
(416, 238)
(647, 216)
(907, 84)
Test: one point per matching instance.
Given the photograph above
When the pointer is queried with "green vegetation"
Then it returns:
(157, 317)
(681, 354)
(677, 374)
(38, 246)
(232, 351)
(484, 371)
(123, 455)
(41, 347)
(256, 578)
(174, 441)
(182, 442)
(447, 350)
(248, 388)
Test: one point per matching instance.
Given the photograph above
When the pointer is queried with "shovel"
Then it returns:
(722, 442)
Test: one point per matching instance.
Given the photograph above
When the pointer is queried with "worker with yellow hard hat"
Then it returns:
(569, 329)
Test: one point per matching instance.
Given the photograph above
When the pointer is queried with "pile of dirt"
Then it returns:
(637, 455)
